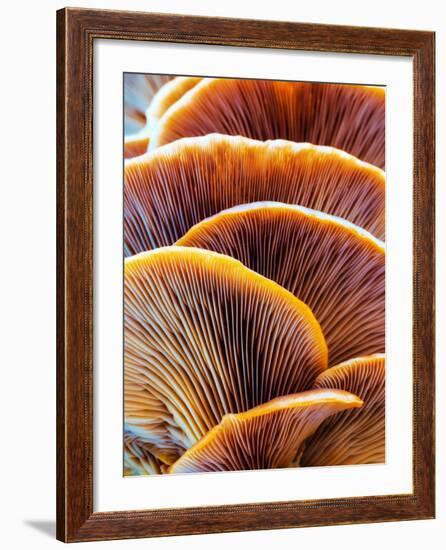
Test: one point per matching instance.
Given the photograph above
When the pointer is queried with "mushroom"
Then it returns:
(138, 459)
(139, 90)
(206, 336)
(352, 437)
(169, 190)
(154, 106)
(136, 145)
(348, 117)
(166, 96)
(267, 436)
(335, 267)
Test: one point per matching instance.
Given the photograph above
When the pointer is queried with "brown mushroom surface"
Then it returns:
(352, 437)
(166, 96)
(268, 436)
(206, 336)
(169, 190)
(136, 145)
(138, 460)
(333, 266)
(139, 90)
(348, 117)
(145, 107)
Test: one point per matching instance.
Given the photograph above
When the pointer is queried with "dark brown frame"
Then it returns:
(76, 31)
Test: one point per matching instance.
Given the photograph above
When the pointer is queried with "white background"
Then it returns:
(28, 276)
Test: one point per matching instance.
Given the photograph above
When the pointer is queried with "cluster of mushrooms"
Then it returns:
(254, 285)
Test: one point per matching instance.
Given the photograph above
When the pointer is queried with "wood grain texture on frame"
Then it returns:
(76, 31)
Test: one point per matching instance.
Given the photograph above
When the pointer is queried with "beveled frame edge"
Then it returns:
(76, 31)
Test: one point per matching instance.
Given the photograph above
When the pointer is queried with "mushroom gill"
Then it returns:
(166, 96)
(348, 117)
(138, 459)
(151, 104)
(206, 336)
(333, 266)
(139, 90)
(169, 190)
(136, 145)
(267, 436)
(352, 437)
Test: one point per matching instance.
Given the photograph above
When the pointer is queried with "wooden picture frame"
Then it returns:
(76, 31)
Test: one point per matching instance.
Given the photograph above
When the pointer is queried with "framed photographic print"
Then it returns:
(245, 275)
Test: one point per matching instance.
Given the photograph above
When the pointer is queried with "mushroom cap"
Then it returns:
(169, 190)
(136, 145)
(267, 436)
(154, 103)
(166, 96)
(138, 458)
(335, 267)
(206, 336)
(139, 90)
(348, 117)
(352, 437)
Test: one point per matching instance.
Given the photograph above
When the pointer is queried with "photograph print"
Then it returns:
(254, 274)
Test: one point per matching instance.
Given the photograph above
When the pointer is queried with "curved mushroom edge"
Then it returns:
(205, 90)
(199, 255)
(352, 437)
(307, 409)
(174, 266)
(158, 215)
(276, 205)
(171, 92)
(268, 145)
